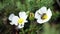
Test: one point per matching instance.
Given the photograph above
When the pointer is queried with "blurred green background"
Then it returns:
(15, 6)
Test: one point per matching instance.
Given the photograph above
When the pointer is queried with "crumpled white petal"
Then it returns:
(14, 20)
(23, 15)
(11, 16)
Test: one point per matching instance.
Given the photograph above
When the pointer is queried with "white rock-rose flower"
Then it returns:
(43, 15)
(18, 21)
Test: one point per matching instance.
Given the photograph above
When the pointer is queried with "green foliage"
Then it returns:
(55, 15)
(49, 30)
(47, 3)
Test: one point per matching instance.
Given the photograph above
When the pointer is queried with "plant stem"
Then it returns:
(23, 31)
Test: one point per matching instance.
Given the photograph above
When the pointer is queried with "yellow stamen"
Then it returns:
(20, 20)
(44, 16)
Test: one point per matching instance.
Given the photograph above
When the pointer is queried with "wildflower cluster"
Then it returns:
(42, 15)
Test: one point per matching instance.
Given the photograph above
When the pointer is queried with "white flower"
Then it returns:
(18, 21)
(43, 15)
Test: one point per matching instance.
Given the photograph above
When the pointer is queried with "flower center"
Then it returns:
(20, 20)
(44, 16)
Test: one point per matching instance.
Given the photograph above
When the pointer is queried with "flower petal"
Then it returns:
(26, 21)
(20, 26)
(14, 20)
(40, 21)
(37, 15)
(11, 23)
(23, 15)
(49, 12)
(43, 9)
(11, 16)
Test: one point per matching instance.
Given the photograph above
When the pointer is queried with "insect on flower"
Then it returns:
(43, 15)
